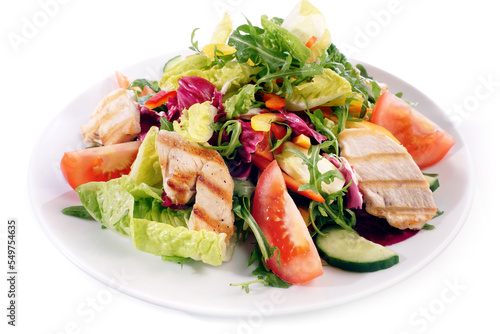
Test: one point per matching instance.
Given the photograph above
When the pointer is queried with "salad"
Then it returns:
(267, 135)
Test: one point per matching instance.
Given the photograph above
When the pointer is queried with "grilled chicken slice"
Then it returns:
(392, 184)
(116, 119)
(187, 169)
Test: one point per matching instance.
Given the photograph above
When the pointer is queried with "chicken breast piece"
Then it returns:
(116, 119)
(392, 184)
(190, 169)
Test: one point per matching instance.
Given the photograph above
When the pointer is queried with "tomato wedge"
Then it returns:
(263, 148)
(101, 163)
(283, 226)
(425, 141)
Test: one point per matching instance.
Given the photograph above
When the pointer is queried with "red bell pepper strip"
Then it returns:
(311, 41)
(159, 98)
(273, 101)
(279, 132)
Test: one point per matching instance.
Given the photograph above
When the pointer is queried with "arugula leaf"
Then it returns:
(264, 275)
(243, 188)
(78, 211)
(321, 125)
(278, 142)
(179, 259)
(166, 125)
(289, 76)
(241, 208)
(428, 227)
(141, 83)
(280, 54)
(249, 44)
(232, 129)
(194, 44)
(357, 76)
(332, 208)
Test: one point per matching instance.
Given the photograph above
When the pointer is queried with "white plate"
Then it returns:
(203, 289)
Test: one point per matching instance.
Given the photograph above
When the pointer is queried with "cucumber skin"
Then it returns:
(432, 180)
(357, 266)
(360, 267)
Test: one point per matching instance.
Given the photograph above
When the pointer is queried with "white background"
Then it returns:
(449, 50)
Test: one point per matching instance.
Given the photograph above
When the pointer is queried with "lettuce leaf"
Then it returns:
(305, 21)
(146, 167)
(231, 76)
(136, 211)
(194, 125)
(285, 40)
(110, 203)
(188, 67)
(116, 202)
(240, 102)
(167, 240)
(322, 89)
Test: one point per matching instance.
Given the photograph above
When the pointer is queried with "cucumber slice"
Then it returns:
(349, 251)
(172, 62)
(432, 180)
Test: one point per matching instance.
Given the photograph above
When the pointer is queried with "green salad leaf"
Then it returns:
(195, 123)
(240, 102)
(169, 241)
(146, 167)
(136, 211)
(285, 41)
(231, 76)
(77, 211)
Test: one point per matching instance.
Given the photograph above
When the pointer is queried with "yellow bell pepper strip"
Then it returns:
(262, 122)
(302, 140)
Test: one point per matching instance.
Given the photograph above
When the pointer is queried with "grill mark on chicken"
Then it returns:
(393, 186)
(213, 224)
(179, 182)
(178, 187)
(215, 189)
(106, 117)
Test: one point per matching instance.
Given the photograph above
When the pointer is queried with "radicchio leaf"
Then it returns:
(149, 118)
(249, 139)
(193, 90)
(353, 195)
(300, 126)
